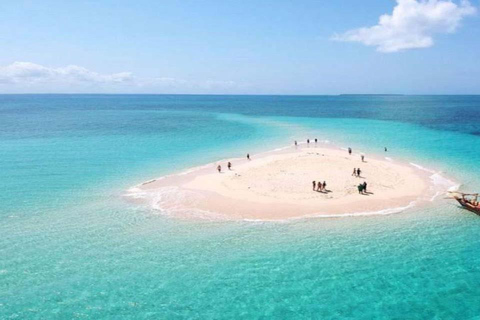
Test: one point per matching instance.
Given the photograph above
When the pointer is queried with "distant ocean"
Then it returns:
(72, 247)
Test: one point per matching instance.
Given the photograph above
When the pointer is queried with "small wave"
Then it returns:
(421, 168)
(439, 181)
(135, 193)
(455, 187)
(191, 213)
(383, 212)
(194, 169)
(367, 213)
(170, 201)
(389, 159)
(282, 148)
(444, 183)
(167, 197)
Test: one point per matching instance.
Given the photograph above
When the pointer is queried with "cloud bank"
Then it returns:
(31, 73)
(412, 24)
(30, 77)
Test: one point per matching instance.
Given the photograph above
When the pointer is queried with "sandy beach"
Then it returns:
(278, 185)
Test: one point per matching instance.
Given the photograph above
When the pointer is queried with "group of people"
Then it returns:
(361, 156)
(319, 186)
(308, 141)
(362, 188)
(357, 172)
(229, 164)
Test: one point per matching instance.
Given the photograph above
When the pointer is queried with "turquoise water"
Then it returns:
(72, 247)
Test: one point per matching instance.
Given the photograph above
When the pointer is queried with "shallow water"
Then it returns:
(72, 247)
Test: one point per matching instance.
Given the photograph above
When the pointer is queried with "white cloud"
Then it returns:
(31, 73)
(411, 25)
(31, 77)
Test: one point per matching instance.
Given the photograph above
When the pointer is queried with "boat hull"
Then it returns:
(466, 206)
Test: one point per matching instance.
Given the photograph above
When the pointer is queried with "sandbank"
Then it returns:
(278, 185)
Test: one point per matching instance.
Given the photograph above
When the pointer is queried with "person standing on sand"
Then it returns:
(359, 172)
(365, 187)
(248, 156)
(350, 151)
(319, 186)
(363, 158)
(324, 186)
(219, 168)
(229, 165)
(314, 185)
(360, 188)
(354, 172)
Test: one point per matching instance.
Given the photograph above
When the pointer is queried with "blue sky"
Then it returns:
(240, 47)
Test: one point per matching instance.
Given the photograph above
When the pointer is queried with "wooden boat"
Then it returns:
(468, 201)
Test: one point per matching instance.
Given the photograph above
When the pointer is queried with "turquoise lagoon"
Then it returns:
(72, 247)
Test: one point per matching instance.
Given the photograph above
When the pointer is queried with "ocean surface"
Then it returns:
(73, 247)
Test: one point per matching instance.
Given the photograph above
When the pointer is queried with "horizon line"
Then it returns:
(249, 94)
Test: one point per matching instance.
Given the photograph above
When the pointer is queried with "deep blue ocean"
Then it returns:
(72, 247)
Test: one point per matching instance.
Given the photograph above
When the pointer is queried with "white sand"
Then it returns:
(278, 186)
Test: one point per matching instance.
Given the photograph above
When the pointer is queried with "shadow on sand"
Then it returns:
(324, 191)
(366, 193)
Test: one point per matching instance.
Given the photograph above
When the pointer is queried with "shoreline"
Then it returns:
(200, 192)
